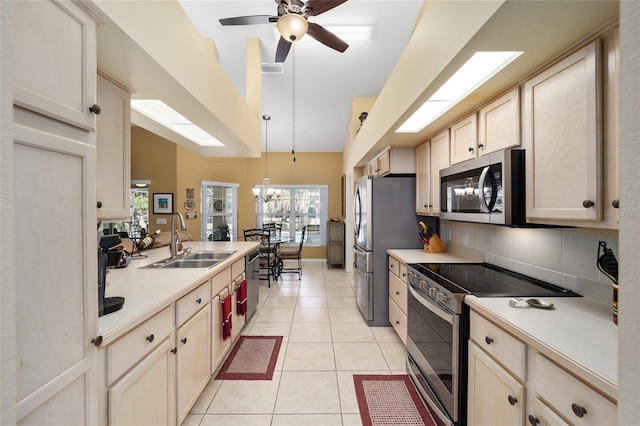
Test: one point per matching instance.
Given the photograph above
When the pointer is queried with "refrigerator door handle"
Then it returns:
(359, 251)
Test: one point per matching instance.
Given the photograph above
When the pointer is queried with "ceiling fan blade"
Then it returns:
(249, 20)
(282, 50)
(326, 37)
(316, 7)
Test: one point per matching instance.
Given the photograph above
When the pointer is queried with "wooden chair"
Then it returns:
(293, 253)
(267, 254)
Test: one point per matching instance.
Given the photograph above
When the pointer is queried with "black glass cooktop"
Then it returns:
(486, 280)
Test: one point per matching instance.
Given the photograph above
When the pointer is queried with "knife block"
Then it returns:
(435, 245)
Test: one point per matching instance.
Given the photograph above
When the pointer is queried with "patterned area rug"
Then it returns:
(390, 400)
(252, 358)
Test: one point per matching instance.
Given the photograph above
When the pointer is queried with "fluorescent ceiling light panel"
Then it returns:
(168, 117)
(477, 70)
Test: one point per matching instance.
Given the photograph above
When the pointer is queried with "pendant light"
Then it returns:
(265, 192)
(293, 102)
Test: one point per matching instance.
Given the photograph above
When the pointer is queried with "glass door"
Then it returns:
(219, 211)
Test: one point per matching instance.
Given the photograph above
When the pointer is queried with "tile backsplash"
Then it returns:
(562, 256)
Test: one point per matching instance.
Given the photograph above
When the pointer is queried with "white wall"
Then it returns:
(629, 320)
(566, 257)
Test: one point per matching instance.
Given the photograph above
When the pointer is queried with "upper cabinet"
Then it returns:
(431, 157)
(393, 160)
(114, 151)
(464, 139)
(562, 137)
(499, 124)
(54, 71)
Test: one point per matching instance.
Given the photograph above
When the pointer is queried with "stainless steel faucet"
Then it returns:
(173, 246)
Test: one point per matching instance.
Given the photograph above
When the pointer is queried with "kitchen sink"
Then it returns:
(193, 259)
(214, 255)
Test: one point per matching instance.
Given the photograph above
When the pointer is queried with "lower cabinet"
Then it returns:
(193, 360)
(219, 346)
(398, 297)
(146, 395)
(495, 396)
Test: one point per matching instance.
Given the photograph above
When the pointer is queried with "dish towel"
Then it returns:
(226, 317)
(241, 304)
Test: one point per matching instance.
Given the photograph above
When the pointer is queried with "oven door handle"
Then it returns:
(439, 311)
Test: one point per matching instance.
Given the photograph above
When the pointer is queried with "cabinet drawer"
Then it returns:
(403, 272)
(220, 281)
(505, 348)
(398, 320)
(568, 395)
(192, 303)
(394, 265)
(398, 291)
(237, 268)
(125, 352)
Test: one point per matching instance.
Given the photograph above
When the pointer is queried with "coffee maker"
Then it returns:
(106, 305)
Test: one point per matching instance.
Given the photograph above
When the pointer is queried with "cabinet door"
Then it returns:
(54, 60)
(114, 151)
(561, 133)
(464, 139)
(194, 360)
(56, 291)
(423, 176)
(146, 395)
(372, 167)
(499, 124)
(544, 416)
(495, 397)
(237, 320)
(219, 347)
(439, 160)
(384, 163)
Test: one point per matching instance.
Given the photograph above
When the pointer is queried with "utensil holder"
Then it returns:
(435, 245)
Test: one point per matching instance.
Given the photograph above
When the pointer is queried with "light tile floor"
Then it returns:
(325, 342)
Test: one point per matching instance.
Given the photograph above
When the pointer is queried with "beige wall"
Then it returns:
(172, 168)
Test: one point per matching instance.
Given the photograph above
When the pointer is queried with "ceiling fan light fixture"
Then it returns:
(292, 26)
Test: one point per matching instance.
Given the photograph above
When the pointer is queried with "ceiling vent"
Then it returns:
(272, 68)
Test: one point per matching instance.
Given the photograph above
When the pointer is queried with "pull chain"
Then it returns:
(293, 102)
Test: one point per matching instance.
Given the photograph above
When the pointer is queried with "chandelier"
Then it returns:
(264, 192)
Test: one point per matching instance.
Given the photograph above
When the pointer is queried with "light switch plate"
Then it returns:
(448, 234)
(161, 221)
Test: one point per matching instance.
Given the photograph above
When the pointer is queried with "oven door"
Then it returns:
(433, 346)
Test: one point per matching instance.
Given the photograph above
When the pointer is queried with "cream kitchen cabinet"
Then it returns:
(114, 151)
(398, 297)
(431, 157)
(464, 139)
(499, 123)
(54, 61)
(220, 288)
(237, 272)
(495, 397)
(562, 128)
(544, 416)
(193, 360)
(393, 160)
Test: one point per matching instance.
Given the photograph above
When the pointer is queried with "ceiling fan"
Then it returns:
(292, 24)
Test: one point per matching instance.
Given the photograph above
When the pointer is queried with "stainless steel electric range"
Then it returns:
(438, 326)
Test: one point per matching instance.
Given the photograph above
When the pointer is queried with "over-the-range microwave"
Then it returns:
(488, 189)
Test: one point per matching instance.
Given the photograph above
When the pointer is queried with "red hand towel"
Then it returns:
(226, 317)
(241, 303)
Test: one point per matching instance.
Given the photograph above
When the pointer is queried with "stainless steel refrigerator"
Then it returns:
(384, 218)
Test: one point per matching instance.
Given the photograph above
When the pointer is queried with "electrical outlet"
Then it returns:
(161, 221)
(465, 238)
(449, 235)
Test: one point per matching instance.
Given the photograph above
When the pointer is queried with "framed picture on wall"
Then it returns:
(162, 203)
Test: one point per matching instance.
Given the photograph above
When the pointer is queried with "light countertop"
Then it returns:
(454, 255)
(578, 334)
(148, 291)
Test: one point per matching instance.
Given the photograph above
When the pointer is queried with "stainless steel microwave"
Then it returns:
(488, 189)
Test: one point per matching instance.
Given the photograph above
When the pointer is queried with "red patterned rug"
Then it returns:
(390, 400)
(252, 358)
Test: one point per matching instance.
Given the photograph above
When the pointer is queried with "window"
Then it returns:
(296, 207)
(219, 212)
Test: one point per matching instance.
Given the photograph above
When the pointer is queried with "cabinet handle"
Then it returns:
(397, 322)
(404, 275)
(97, 340)
(615, 204)
(430, 205)
(150, 338)
(397, 292)
(391, 266)
(183, 340)
(425, 206)
(470, 149)
(199, 300)
(587, 203)
(480, 146)
(95, 109)
(578, 410)
(533, 421)
(488, 339)
(174, 350)
(512, 400)
(99, 204)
